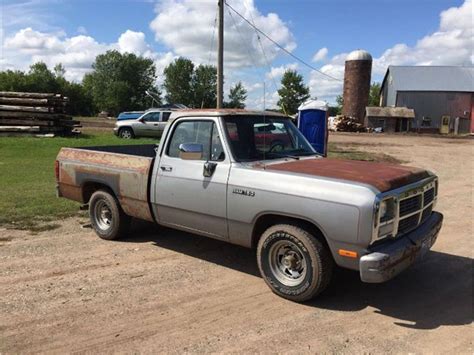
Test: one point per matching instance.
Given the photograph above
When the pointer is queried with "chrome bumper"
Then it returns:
(389, 259)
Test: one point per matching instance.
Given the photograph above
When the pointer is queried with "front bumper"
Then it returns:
(389, 259)
(116, 131)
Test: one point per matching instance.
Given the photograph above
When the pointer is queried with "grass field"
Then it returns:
(27, 178)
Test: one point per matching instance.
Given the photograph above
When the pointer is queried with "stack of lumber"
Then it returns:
(35, 113)
(348, 124)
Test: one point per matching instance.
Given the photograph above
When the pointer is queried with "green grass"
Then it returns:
(27, 181)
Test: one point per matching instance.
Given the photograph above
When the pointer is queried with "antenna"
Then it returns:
(154, 97)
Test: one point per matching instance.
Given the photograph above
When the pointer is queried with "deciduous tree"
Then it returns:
(119, 81)
(204, 86)
(178, 82)
(237, 96)
(293, 92)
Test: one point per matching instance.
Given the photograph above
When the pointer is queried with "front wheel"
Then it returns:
(107, 217)
(126, 133)
(293, 263)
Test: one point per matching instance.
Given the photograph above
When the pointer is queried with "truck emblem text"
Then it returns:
(244, 192)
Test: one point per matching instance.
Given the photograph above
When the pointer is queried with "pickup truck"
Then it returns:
(304, 213)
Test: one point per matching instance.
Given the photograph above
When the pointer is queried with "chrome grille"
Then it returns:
(410, 205)
(426, 213)
(415, 207)
(408, 223)
(428, 196)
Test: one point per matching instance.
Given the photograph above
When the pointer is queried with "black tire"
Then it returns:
(293, 263)
(107, 217)
(126, 133)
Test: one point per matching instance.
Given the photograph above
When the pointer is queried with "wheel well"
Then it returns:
(127, 127)
(90, 187)
(266, 221)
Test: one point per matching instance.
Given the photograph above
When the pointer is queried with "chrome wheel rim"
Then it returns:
(126, 134)
(103, 215)
(287, 263)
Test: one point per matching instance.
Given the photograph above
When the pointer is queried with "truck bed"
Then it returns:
(123, 169)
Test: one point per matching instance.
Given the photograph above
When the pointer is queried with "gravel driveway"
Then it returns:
(167, 291)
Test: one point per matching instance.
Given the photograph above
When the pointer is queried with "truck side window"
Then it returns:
(191, 132)
(200, 132)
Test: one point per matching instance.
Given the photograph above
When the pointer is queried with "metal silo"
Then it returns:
(357, 74)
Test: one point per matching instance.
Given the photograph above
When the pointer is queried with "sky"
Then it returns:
(320, 32)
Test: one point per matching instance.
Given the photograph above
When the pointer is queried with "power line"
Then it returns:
(266, 62)
(212, 39)
(280, 46)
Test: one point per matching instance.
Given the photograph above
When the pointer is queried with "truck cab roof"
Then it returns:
(223, 112)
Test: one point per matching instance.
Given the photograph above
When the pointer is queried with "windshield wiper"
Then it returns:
(284, 155)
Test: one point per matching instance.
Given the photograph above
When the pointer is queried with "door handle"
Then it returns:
(166, 168)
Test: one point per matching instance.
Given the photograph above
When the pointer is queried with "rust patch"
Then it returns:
(135, 208)
(382, 176)
(71, 192)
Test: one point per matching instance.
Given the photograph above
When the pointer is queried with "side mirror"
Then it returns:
(190, 151)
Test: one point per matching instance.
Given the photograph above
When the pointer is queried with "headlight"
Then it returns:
(387, 210)
(385, 213)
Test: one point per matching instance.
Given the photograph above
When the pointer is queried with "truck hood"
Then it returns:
(382, 176)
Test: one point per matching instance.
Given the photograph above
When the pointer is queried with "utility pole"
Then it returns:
(220, 56)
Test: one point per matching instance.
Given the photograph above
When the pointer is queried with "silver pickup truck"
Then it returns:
(251, 178)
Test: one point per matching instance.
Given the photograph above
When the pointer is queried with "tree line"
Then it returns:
(119, 82)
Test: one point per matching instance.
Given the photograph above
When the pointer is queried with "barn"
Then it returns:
(441, 96)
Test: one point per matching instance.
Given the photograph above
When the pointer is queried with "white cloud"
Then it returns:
(451, 44)
(29, 41)
(133, 42)
(320, 55)
(192, 39)
(76, 53)
(276, 73)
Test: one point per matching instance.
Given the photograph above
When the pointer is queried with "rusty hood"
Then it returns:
(382, 176)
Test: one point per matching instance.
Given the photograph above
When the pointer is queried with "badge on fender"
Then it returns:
(243, 192)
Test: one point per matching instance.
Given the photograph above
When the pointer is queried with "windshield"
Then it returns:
(265, 137)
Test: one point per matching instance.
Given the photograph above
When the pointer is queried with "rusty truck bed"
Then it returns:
(123, 169)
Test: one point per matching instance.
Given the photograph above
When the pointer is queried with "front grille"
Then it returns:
(428, 197)
(414, 207)
(408, 223)
(410, 205)
(426, 213)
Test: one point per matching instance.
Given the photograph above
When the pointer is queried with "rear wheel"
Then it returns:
(293, 263)
(107, 217)
(126, 133)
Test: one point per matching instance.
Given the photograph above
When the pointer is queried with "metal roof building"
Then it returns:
(442, 96)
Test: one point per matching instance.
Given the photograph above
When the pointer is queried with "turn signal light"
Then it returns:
(348, 253)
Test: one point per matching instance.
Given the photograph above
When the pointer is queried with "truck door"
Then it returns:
(191, 190)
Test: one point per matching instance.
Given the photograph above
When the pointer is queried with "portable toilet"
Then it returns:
(313, 123)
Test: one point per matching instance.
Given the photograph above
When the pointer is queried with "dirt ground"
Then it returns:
(164, 291)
